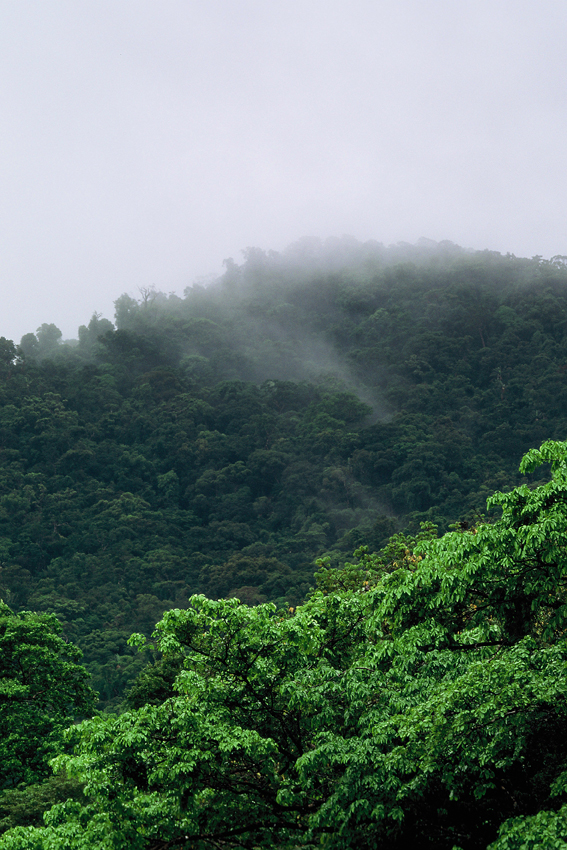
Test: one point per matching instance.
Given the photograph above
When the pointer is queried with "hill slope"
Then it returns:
(305, 403)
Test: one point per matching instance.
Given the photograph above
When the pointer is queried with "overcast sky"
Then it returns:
(144, 141)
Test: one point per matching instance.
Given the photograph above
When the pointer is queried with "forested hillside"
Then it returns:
(212, 448)
(304, 404)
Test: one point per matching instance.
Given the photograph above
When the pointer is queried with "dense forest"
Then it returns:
(334, 397)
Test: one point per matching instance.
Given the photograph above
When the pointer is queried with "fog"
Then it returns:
(143, 143)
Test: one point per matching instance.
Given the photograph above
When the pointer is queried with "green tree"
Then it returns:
(42, 689)
(48, 338)
(7, 354)
(29, 345)
(89, 334)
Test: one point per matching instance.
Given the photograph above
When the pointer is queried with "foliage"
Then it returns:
(25, 806)
(42, 688)
(426, 708)
(304, 405)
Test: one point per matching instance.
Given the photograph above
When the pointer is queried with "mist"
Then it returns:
(306, 314)
(143, 145)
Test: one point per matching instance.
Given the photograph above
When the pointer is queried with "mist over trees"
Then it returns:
(302, 406)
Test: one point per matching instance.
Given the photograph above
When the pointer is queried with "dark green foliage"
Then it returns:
(155, 683)
(26, 806)
(42, 689)
(307, 403)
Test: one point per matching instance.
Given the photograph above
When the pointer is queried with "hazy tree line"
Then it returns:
(304, 405)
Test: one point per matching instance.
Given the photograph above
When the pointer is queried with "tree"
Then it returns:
(29, 346)
(423, 704)
(8, 354)
(48, 338)
(42, 689)
(97, 327)
(125, 310)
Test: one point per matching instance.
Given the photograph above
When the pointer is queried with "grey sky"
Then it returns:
(143, 141)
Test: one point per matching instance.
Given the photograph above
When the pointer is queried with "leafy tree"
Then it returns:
(8, 354)
(42, 688)
(423, 704)
(48, 338)
(29, 345)
(89, 334)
